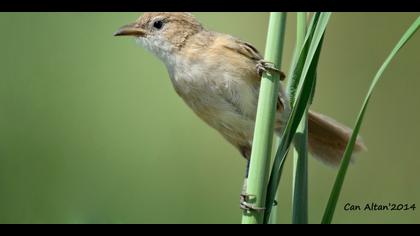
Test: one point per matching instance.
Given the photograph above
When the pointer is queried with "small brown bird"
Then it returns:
(218, 76)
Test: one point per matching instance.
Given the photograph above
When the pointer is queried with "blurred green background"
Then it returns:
(91, 130)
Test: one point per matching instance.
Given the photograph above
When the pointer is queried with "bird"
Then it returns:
(218, 76)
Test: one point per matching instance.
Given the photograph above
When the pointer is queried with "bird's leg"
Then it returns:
(246, 198)
(266, 66)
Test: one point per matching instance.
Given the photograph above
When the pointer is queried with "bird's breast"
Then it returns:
(208, 88)
(222, 99)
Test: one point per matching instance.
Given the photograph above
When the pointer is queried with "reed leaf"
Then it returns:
(335, 193)
(300, 142)
(303, 92)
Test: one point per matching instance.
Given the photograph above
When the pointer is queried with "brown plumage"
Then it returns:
(218, 76)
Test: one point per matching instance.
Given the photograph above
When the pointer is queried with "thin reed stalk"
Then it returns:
(264, 124)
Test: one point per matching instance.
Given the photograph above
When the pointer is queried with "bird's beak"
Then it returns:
(131, 30)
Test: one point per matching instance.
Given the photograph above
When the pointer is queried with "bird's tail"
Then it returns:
(328, 139)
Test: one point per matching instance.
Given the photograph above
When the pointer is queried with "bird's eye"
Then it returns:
(158, 24)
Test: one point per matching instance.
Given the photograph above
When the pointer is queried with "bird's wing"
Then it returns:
(243, 48)
(250, 52)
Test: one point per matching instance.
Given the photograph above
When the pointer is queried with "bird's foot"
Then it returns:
(246, 206)
(266, 66)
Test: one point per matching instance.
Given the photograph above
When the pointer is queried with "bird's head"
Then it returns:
(162, 33)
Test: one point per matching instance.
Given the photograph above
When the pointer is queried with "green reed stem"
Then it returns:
(264, 124)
